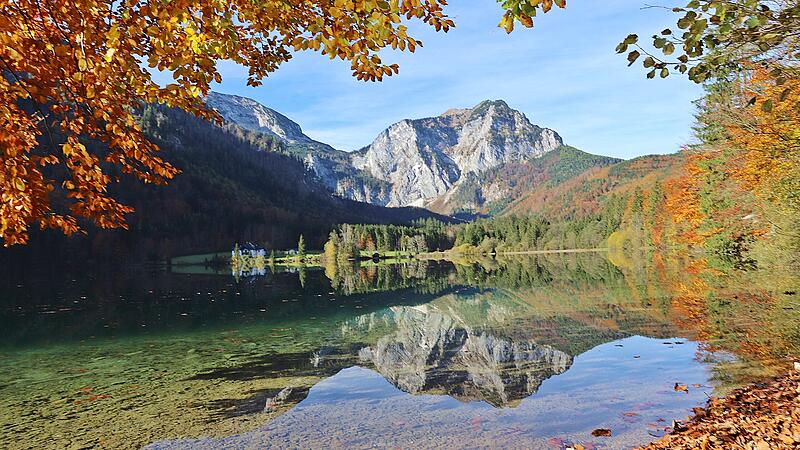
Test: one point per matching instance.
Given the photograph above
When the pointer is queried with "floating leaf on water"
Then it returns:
(556, 442)
(601, 432)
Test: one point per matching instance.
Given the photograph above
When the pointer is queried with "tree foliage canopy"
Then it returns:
(75, 73)
(78, 70)
(714, 38)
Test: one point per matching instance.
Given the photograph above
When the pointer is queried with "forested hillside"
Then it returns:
(733, 194)
(235, 185)
(569, 197)
(490, 192)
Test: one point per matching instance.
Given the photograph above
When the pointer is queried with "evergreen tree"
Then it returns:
(301, 247)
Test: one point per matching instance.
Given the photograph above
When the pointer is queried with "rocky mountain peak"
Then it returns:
(456, 112)
(253, 116)
(489, 105)
(425, 158)
(414, 162)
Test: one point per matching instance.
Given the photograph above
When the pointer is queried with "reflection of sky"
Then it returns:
(359, 408)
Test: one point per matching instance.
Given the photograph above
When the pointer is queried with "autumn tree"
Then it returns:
(331, 246)
(768, 133)
(75, 72)
(745, 167)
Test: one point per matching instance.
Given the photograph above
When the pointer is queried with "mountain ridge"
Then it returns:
(475, 162)
(236, 185)
(413, 162)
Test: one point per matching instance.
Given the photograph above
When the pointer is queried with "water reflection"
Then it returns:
(606, 387)
(467, 346)
(430, 352)
(526, 352)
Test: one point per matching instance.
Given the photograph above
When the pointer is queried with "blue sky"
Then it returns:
(563, 74)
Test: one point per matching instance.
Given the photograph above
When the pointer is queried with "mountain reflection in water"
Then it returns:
(520, 353)
(606, 387)
(434, 350)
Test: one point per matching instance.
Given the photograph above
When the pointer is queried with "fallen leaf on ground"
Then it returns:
(556, 442)
(764, 415)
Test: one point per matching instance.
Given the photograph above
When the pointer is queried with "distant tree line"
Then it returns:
(235, 185)
(348, 241)
(630, 219)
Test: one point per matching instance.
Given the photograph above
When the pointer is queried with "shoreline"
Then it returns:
(451, 254)
(758, 416)
(552, 252)
(315, 259)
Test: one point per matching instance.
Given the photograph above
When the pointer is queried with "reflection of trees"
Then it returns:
(512, 273)
(751, 314)
(350, 279)
(534, 271)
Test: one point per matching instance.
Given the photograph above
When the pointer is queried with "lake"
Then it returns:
(528, 352)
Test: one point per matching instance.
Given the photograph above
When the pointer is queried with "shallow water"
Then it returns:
(605, 387)
(533, 353)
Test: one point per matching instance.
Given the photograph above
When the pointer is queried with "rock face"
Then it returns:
(331, 166)
(253, 116)
(411, 163)
(424, 159)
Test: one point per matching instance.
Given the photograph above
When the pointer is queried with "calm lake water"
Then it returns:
(518, 353)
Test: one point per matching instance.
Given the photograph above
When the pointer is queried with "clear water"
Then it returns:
(531, 353)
